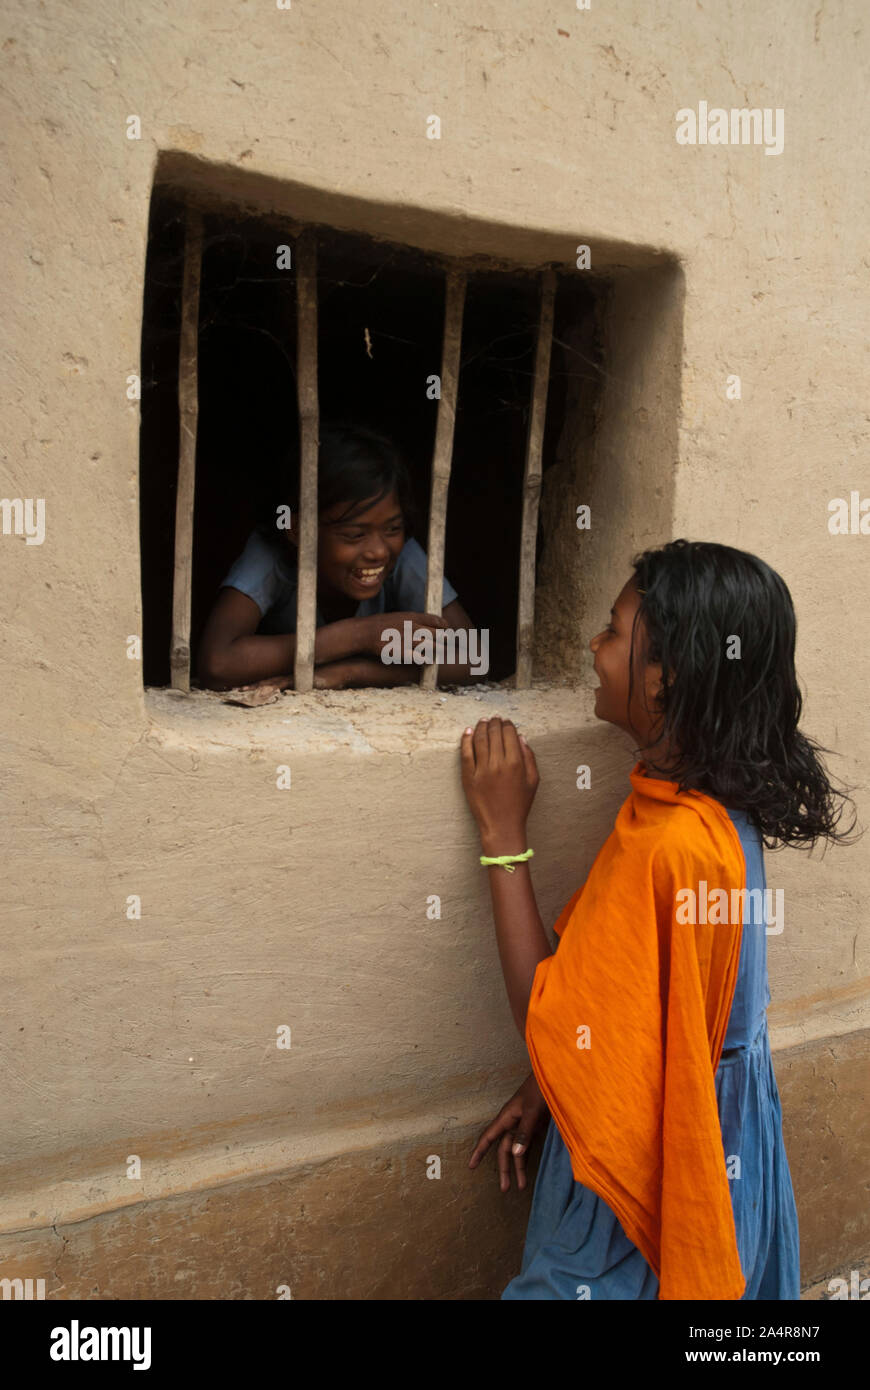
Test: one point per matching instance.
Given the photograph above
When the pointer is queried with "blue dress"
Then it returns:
(575, 1246)
(266, 573)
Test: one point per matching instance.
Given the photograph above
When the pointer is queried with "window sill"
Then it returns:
(365, 720)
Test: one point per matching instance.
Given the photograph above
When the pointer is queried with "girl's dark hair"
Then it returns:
(356, 465)
(732, 721)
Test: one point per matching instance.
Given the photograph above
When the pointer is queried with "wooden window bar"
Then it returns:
(532, 484)
(188, 412)
(309, 428)
(454, 306)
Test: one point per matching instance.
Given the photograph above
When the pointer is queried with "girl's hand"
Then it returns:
(377, 623)
(268, 683)
(259, 693)
(500, 778)
(362, 671)
(331, 676)
(516, 1122)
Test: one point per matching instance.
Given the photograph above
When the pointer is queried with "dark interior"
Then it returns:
(248, 418)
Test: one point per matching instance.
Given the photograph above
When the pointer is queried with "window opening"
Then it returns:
(354, 330)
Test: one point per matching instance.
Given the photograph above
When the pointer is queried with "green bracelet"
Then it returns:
(507, 861)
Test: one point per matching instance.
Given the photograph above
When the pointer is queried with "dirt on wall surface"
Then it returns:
(153, 1035)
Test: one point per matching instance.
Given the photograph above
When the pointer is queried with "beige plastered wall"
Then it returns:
(306, 1168)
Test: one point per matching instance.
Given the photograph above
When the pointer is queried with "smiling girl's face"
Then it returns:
(355, 557)
(611, 649)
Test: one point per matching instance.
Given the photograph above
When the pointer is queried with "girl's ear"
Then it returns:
(653, 683)
(288, 536)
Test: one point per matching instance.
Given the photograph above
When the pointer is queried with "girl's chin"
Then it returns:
(599, 708)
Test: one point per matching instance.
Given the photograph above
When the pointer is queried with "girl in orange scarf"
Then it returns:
(664, 1173)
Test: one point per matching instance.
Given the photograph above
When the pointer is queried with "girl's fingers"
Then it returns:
(520, 1165)
(511, 738)
(531, 762)
(494, 738)
(472, 752)
(504, 1161)
(502, 1126)
(480, 739)
(489, 1135)
(516, 743)
(496, 742)
(513, 745)
(504, 1154)
(479, 1150)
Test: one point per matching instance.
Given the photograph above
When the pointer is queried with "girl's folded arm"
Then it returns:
(231, 653)
(366, 671)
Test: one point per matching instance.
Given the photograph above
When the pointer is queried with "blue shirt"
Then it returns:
(269, 578)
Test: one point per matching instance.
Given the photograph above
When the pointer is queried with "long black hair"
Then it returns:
(729, 710)
(355, 465)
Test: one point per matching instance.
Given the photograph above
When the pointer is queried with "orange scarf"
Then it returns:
(634, 1099)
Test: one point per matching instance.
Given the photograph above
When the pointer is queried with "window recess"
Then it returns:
(258, 356)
